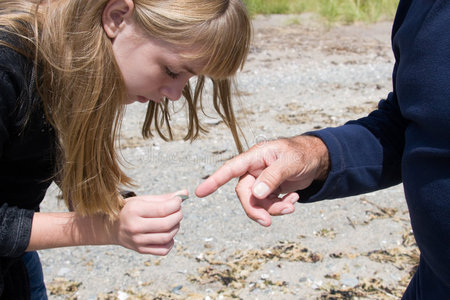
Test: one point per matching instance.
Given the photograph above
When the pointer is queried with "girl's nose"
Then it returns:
(174, 90)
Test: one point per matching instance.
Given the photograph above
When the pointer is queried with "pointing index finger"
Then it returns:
(235, 167)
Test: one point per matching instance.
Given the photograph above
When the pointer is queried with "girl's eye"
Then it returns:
(171, 74)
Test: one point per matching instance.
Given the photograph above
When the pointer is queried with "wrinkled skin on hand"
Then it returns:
(269, 169)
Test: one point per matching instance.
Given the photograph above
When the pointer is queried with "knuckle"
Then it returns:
(250, 214)
(131, 209)
(135, 240)
(163, 252)
(166, 239)
(178, 216)
(239, 187)
(272, 177)
(175, 230)
(163, 227)
(163, 211)
(132, 229)
(160, 210)
(257, 146)
(169, 223)
(262, 141)
(141, 250)
(228, 167)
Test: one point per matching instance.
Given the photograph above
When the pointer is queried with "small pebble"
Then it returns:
(177, 289)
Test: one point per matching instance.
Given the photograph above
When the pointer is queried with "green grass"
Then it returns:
(276, 6)
(347, 11)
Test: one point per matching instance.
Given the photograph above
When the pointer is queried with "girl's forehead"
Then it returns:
(193, 66)
(186, 50)
(191, 56)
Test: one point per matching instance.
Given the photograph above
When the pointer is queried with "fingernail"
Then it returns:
(287, 210)
(260, 189)
(261, 222)
(293, 198)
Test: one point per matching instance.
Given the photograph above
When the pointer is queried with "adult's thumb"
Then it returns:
(270, 179)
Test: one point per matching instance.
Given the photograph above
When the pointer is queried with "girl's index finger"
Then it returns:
(152, 209)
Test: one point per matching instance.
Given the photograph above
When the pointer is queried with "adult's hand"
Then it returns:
(148, 224)
(269, 169)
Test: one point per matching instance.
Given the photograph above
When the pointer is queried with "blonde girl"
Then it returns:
(68, 68)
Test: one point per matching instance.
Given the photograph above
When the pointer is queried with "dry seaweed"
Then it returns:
(63, 287)
(326, 233)
(237, 267)
(401, 258)
(372, 288)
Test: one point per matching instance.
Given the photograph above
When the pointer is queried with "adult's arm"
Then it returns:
(365, 154)
(358, 157)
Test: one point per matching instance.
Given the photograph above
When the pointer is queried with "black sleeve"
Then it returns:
(15, 223)
(15, 230)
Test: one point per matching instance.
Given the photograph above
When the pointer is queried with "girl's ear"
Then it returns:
(114, 14)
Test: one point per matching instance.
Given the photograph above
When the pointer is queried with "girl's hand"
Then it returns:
(147, 224)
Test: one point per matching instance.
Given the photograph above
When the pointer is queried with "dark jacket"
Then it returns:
(26, 162)
(407, 139)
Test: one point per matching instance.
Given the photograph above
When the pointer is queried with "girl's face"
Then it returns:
(152, 69)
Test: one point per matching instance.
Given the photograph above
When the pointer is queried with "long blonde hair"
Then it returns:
(83, 91)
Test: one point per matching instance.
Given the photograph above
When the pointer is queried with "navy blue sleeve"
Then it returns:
(407, 139)
(365, 154)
